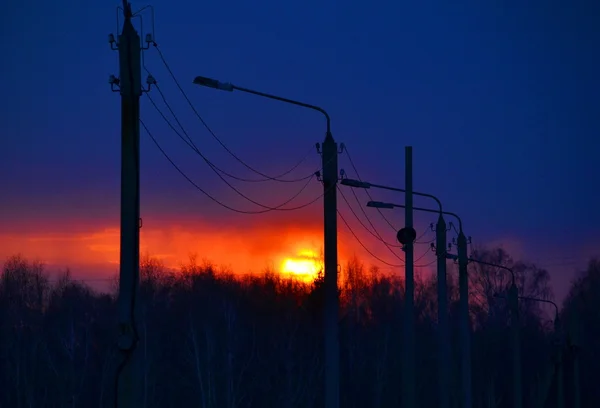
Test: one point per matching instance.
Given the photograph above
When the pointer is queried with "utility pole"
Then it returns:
(513, 299)
(559, 339)
(129, 378)
(332, 349)
(408, 357)
(443, 332)
(329, 156)
(574, 345)
(465, 329)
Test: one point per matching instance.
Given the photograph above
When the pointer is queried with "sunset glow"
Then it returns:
(305, 266)
(92, 252)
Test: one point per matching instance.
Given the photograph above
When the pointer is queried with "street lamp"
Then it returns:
(513, 300)
(444, 332)
(330, 178)
(463, 300)
(558, 338)
(575, 348)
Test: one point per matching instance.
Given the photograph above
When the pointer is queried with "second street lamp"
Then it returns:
(463, 279)
(330, 177)
(513, 300)
(559, 344)
(444, 332)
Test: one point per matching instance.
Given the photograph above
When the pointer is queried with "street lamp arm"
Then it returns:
(286, 100)
(506, 268)
(542, 301)
(378, 204)
(437, 200)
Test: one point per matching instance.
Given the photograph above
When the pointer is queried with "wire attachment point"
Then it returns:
(149, 40)
(342, 148)
(114, 83)
(114, 45)
(150, 81)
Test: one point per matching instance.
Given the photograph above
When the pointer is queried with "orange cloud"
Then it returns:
(241, 243)
(237, 247)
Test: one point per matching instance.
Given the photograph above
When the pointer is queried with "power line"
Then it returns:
(427, 264)
(418, 240)
(212, 166)
(223, 145)
(423, 255)
(216, 200)
(367, 191)
(374, 234)
(193, 146)
(371, 253)
(363, 245)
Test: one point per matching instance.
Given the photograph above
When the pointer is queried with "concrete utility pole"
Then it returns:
(404, 236)
(465, 330)
(330, 179)
(463, 262)
(408, 357)
(513, 301)
(443, 328)
(332, 352)
(574, 345)
(128, 393)
(559, 339)
(559, 343)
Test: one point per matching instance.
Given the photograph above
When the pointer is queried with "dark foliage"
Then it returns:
(209, 339)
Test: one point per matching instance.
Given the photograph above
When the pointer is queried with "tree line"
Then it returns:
(211, 339)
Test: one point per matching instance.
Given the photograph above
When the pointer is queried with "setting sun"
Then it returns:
(305, 266)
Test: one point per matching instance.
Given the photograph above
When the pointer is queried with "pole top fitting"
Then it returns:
(127, 10)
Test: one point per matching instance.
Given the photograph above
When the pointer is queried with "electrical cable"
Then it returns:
(216, 200)
(423, 255)
(425, 242)
(363, 245)
(378, 236)
(190, 143)
(193, 146)
(371, 253)
(427, 264)
(223, 145)
(367, 191)
(418, 240)
(218, 171)
(374, 234)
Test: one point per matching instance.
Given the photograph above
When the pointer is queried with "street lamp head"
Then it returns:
(379, 204)
(355, 183)
(213, 83)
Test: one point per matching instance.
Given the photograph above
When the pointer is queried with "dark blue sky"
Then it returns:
(499, 99)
